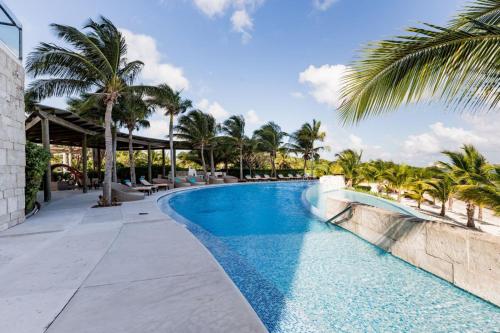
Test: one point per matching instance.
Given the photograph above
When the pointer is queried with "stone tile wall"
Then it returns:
(12, 140)
(467, 258)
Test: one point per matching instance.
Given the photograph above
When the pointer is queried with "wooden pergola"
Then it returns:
(48, 125)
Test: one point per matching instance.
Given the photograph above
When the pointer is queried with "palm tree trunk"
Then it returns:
(171, 138)
(470, 215)
(443, 208)
(399, 195)
(131, 156)
(212, 165)
(241, 163)
(273, 165)
(108, 140)
(114, 176)
(480, 213)
(203, 160)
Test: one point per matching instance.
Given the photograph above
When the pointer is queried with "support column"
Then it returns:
(163, 162)
(48, 172)
(150, 171)
(84, 163)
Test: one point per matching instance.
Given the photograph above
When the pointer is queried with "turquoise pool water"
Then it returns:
(315, 195)
(302, 275)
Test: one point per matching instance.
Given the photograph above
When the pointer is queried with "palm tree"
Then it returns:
(486, 193)
(270, 139)
(441, 188)
(471, 170)
(200, 130)
(398, 177)
(234, 128)
(350, 162)
(457, 63)
(94, 61)
(302, 142)
(174, 105)
(134, 116)
(417, 191)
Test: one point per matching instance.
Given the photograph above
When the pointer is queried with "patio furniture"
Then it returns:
(258, 178)
(196, 181)
(146, 183)
(267, 177)
(230, 180)
(281, 177)
(249, 178)
(215, 180)
(162, 183)
(181, 182)
(123, 193)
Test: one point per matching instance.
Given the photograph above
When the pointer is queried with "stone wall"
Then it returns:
(467, 258)
(12, 140)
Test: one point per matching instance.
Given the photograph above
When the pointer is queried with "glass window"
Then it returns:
(10, 31)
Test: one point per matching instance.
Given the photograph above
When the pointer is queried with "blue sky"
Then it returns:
(277, 60)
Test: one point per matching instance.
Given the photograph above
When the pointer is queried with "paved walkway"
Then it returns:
(71, 268)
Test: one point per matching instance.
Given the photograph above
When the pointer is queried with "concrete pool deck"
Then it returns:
(71, 268)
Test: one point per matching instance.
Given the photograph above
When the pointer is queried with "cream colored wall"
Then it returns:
(467, 258)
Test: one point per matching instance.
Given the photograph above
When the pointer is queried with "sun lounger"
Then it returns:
(258, 178)
(162, 183)
(215, 180)
(122, 193)
(146, 183)
(249, 178)
(267, 177)
(281, 177)
(299, 176)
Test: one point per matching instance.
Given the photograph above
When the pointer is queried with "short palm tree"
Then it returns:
(234, 128)
(94, 61)
(134, 116)
(398, 177)
(199, 129)
(174, 105)
(458, 64)
(417, 191)
(350, 162)
(441, 188)
(302, 142)
(270, 139)
(487, 192)
(471, 170)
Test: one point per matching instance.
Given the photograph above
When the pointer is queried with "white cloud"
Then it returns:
(144, 48)
(214, 108)
(253, 118)
(325, 82)
(323, 4)
(241, 20)
(440, 138)
(212, 8)
(242, 23)
(158, 129)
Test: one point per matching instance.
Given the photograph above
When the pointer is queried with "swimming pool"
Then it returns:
(315, 196)
(302, 275)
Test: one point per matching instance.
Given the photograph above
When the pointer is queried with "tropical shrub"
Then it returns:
(36, 163)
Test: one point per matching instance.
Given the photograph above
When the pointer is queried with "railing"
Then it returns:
(11, 31)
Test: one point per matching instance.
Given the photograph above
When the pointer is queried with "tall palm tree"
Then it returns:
(458, 64)
(487, 192)
(350, 162)
(398, 177)
(94, 61)
(470, 169)
(134, 116)
(199, 129)
(174, 105)
(303, 141)
(270, 139)
(234, 128)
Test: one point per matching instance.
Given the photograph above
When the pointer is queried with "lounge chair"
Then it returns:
(215, 181)
(249, 178)
(123, 193)
(299, 176)
(267, 177)
(290, 176)
(146, 183)
(162, 183)
(230, 179)
(281, 177)
(181, 182)
(196, 181)
(258, 178)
